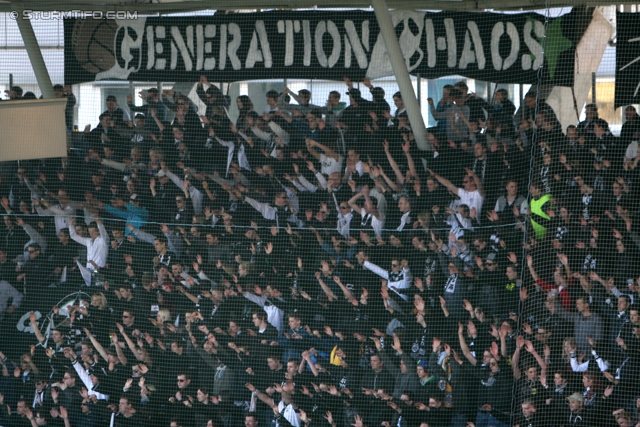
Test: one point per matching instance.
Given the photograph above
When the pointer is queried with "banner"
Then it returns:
(627, 59)
(45, 323)
(502, 48)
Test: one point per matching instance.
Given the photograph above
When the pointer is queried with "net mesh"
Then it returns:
(266, 244)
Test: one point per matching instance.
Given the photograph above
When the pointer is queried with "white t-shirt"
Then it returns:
(472, 199)
(330, 165)
(289, 413)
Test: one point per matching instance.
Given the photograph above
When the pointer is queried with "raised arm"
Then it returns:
(82, 373)
(46, 210)
(388, 363)
(96, 344)
(406, 147)
(265, 136)
(311, 148)
(444, 181)
(85, 241)
(374, 212)
(142, 235)
(532, 271)
(114, 165)
(328, 151)
(464, 347)
(565, 262)
(267, 211)
(103, 231)
(36, 329)
(306, 357)
(281, 133)
(32, 233)
(348, 295)
(543, 365)
(210, 194)
(119, 351)
(129, 341)
(305, 184)
(352, 202)
(32, 188)
(157, 120)
(194, 299)
(438, 115)
(515, 359)
(174, 178)
(393, 163)
(174, 242)
(393, 185)
(324, 286)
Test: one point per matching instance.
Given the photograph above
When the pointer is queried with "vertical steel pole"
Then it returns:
(402, 73)
(35, 54)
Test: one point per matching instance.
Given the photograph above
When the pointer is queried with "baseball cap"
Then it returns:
(160, 174)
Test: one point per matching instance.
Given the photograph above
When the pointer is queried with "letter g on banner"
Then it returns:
(128, 52)
(24, 324)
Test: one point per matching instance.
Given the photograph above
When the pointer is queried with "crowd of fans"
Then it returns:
(308, 265)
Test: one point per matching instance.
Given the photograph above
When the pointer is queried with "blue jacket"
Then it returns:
(133, 215)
